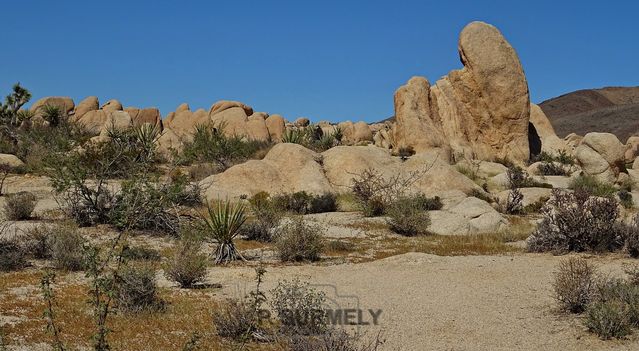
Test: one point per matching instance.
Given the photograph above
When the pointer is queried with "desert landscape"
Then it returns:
(473, 219)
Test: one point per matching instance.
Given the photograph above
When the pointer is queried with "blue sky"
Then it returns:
(327, 60)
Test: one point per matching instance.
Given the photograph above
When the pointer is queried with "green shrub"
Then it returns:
(140, 253)
(187, 266)
(408, 216)
(12, 255)
(552, 169)
(37, 241)
(297, 202)
(323, 203)
(136, 289)
(577, 222)
(211, 144)
(299, 240)
(267, 217)
(592, 186)
(19, 206)
(518, 178)
(622, 291)
(575, 284)
(374, 193)
(625, 198)
(236, 318)
(300, 309)
(67, 248)
(295, 136)
(608, 319)
(514, 202)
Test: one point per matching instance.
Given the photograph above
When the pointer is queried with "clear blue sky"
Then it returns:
(327, 60)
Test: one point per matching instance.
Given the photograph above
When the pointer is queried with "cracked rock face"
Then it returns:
(481, 111)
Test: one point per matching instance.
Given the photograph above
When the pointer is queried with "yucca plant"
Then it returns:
(52, 114)
(147, 136)
(223, 222)
(294, 136)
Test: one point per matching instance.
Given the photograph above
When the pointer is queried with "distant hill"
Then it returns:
(613, 110)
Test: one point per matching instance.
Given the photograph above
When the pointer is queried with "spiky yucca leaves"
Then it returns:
(147, 136)
(223, 222)
(294, 136)
(52, 114)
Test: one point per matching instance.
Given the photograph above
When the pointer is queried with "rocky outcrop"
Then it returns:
(601, 155)
(90, 103)
(65, 104)
(481, 111)
(145, 115)
(10, 160)
(541, 126)
(291, 167)
(183, 121)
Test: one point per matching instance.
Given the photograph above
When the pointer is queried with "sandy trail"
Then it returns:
(452, 303)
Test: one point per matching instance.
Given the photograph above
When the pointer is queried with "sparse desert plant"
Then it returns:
(12, 255)
(267, 217)
(297, 202)
(37, 241)
(137, 290)
(514, 202)
(518, 178)
(482, 195)
(333, 340)
(223, 222)
(575, 284)
(187, 266)
(295, 136)
(592, 186)
(405, 152)
(323, 203)
(52, 114)
(236, 319)
(5, 169)
(19, 206)
(140, 253)
(373, 192)
(299, 240)
(407, 216)
(577, 222)
(300, 309)
(67, 247)
(552, 169)
(608, 319)
(625, 199)
(340, 246)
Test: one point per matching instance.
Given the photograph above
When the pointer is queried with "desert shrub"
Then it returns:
(236, 318)
(608, 319)
(471, 170)
(200, 171)
(323, 203)
(136, 289)
(622, 291)
(187, 266)
(518, 178)
(20, 205)
(297, 202)
(211, 144)
(575, 284)
(633, 274)
(552, 169)
(409, 216)
(625, 199)
(373, 192)
(12, 255)
(536, 206)
(140, 253)
(514, 202)
(592, 186)
(222, 223)
(67, 248)
(505, 161)
(340, 246)
(5, 169)
(146, 205)
(300, 309)
(267, 217)
(37, 241)
(562, 157)
(405, 152)
(577, 222)
(332, 340)
(481, 195)
(299, 240)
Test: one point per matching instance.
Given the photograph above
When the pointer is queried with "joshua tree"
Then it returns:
(223, 223)
(9, 109)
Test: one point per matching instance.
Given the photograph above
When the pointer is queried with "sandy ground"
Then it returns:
(450, 303)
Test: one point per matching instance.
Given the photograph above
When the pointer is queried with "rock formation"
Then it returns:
(481, 111)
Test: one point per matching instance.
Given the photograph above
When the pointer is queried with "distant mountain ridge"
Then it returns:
(611, 109)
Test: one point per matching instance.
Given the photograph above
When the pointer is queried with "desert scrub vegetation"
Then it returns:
(409, 215)
(374, 193)
(12, 254)
(299, 308)
(591, 185)
(19, 206)
(266, 217)
(222, 222)
(137, 290)
(187, 265)
(301, 202)
(67, 247)
(299, 240)
(313, 137)
(577, 221)
(518, 178)
(610, 305)
(211, 145)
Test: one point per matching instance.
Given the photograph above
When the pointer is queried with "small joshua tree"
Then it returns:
(223, 223)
